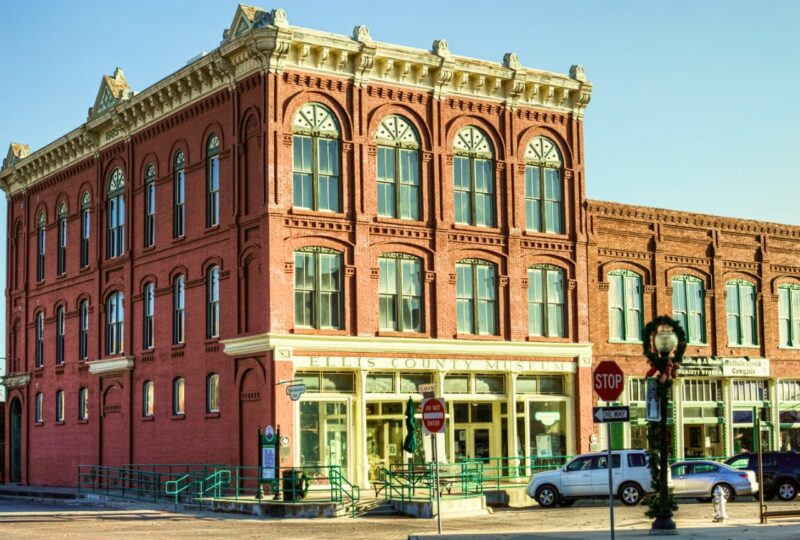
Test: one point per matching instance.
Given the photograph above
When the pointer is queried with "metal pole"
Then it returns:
(436, 485)
(761, 510)
(609, 463)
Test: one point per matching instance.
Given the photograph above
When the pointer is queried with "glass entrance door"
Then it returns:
(324, 438)
(473, 442)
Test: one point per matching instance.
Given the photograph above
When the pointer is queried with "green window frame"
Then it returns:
(400, 293)
(318, 288)
(546, 313)
(688, 307)
(789, 315)
(740, 303)
(544, 188)
(625, 320)
(476, 297)
(473, 177)
(316, 180)
(398, 169)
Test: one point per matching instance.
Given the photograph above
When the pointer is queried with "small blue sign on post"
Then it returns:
(268, 459)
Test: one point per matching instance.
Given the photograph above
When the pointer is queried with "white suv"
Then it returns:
(586, 476)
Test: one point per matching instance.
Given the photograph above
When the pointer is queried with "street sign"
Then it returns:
(433, 415)
(294, 391)
(602, 415)
(608, 380)
(427, 390)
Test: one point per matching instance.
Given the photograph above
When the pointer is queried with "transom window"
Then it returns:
(400, 292)
(318, 288)
(688, 307)
(85, 229)
(212, 181)
(149, 205)
(178, 309)
(114, 323)
(179, 195)
(701, 391)
(315, 162)
(115, 241)
(476, 297)
(546, 301)
(749, 390)
(40, 246)
(61, 257)
(544, 192)
(625, 305)
(789, 390)
(473, 178)
(740, 301)
(789, 315)
(398, 169)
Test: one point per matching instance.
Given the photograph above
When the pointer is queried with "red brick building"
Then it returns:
(301, 206)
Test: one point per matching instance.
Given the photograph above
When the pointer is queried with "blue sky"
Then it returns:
(694, 103)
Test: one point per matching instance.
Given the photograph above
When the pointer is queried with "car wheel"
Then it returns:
(787, 490)
(566, 502)
(547, 496)
(727, 491)
(630, 494)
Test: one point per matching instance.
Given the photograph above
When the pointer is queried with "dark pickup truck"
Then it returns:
(781, 472)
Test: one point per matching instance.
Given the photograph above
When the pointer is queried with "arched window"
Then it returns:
(400, 293)
(318, 288)
(789, 315)
(38, 412)
(83, 404)
(476, 297)
(740, 301)
(398, 169)
(178, 404)
(148, 399)
(39, 353)
(115, 242)
(61, 256)
(85, 229)
(212, 393)
(315, 163)
(178, 307)
(212, 302)
(474, 178)
(212, 181)
(59, 405)
(59, 335)
(83, 330)
(148, 312)
(546, 301)
(114, 323)
(41, 226)
(544, 193)
(625, 306)
(688, 307)
(149, 205)
(178, 195)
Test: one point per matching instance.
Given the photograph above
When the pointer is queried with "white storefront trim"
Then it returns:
(428, 364)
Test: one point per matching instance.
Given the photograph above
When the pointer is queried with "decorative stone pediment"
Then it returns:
(106, 366)
(113, 90)
(19, 380)
(249, 18)
(16, 152)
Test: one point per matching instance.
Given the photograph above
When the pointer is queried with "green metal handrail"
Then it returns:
(174, 487)
(343, 487)
(216, 482)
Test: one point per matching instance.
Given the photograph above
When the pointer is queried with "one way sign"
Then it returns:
(611, 414)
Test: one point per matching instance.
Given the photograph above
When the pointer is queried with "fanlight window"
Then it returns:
(544, 192)
(398, 169)
(115, 241)
(473, 178)
(315, 163)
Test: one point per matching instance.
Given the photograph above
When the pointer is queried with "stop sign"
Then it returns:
(608, 380)
(433, 415)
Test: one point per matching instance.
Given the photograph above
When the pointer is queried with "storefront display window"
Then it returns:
(324, 435)
(548, 428)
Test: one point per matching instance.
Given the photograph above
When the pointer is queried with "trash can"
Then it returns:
(294, 485)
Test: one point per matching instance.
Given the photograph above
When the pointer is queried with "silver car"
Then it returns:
(700, 478)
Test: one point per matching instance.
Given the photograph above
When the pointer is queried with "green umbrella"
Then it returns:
(410, 444)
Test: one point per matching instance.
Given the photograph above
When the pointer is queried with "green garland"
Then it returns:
(656, 505)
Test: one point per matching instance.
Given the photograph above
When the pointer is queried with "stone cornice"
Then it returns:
(354, 344)
(277, 47)
(18, 380)
(106, 366)
(703, 221)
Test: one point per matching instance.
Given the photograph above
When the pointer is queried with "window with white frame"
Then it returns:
(546, 301)
(318, 288)
(150, 205)
(39, 352)
(789, 390)
(148, 314)
(544, 192)
(688, 307)
(114, 323)
(83, 404)
(476, 297)
(212, 302)
(698, 390)
(473, 178)
(115, 234)
(178, 309)
(85, 229)
(41, 235)
(212, 393)
(59, 335)
(148, 398)
(212, 181)
(178, 397)
(83, 330)
(749, 390)
(179, 195)
(624, 305)
(315, 159)
(38, 412)
(398, 169)
(400, 293)
(59, 406)
(740, 302)
(61, 255)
